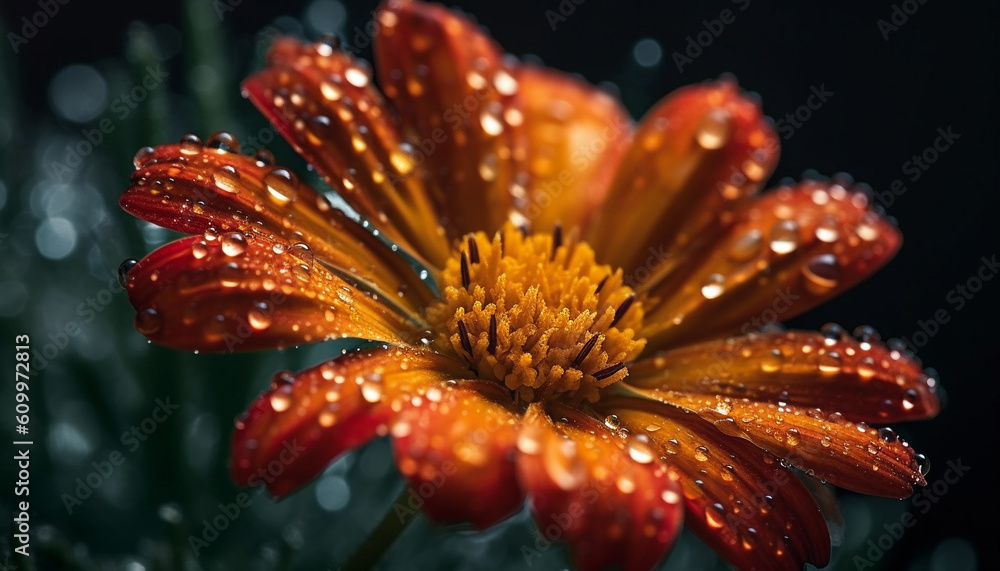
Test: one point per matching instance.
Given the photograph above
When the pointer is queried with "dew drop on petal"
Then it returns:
(281, 399)
(356, 77)
(148, 321)
(281, 185)
(190, 145)
(784, 236)
(829, 362)
(822, 273)
(259, 316)
(714, 286)
(233, 244)
(330, 91)
(613, 422)
(141, 155)
(701, 453)
(792, 437)
(640, 448)
(227, 178)
(827, 230)
(199, 249)
(746, 246)
(771, 361)
(224, 141)
(714, 130)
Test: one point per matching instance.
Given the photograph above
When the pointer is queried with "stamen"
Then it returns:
(620, 312)
(587, 348)
(463, 334)
(557, 239)
(503, 243)
(600, 286)
(492, 347)
(524, 230)
(466, 280)
(473, 250)
(608, 371)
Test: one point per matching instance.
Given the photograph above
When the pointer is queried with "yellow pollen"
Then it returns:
(537, 315)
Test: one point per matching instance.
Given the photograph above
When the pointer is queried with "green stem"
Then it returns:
(383, 536)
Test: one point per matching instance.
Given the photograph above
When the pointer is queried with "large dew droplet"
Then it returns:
(281, 185)
(714, 130)
(784, 237)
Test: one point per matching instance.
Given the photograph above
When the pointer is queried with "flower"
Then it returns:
(586, 331)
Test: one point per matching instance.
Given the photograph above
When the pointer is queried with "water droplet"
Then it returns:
(402, 159)
(229, 275)
(828, 230)
(887, 434)
(714, 516)
(488, 167)
(141, 155)
(281, 399)
(822, 273)
(356, 77)
(670, 497)
(504, 83)
(190, 145)
(233, 244)
(613, 422)
(714, 130)
(489, 118)
(792, 437)
(301, 272)
(910, 399)
(148, 321)
(371, 389)
(784, 236)
(124, 268)
(264, 157)
(327, 418)
(829, 362)
(224, 141)
(640, 448)
(701, 453)
(746, 246)
(866, 368)
(714, 286)
(771, 361)
(199, 249)
(923, 463)
(227, 178)
(281, 184)
(259, 315)
(330, 91)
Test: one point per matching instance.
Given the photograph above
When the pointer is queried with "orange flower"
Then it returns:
(562, 342)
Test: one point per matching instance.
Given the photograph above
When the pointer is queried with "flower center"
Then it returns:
(537, 315)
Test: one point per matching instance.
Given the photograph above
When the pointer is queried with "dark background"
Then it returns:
(890, 96)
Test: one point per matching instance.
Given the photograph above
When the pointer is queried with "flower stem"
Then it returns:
(383, 536)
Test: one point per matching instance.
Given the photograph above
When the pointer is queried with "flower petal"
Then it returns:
(575, 135)
(738, 499)
(323, 102)
(305, 421)
(696, 157)
(614, 510)
(196, 189)
(199, 294)
(446, 79)
(456, 448)
(821, 443)
(861, 379)
(790, 250)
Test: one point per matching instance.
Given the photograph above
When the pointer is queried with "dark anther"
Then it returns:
(473, 250)
(600, 286)
(587, 348)
(466, 280)
(503, 243)
(524, 230)
(557, 239)
(492, 347)
(608, 371)
(622, 309)
(463, 334)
